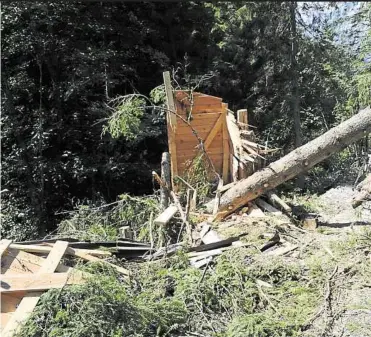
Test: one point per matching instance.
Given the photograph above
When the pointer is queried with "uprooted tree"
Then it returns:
(296, 162)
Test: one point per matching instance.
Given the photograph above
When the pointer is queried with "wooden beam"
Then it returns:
(30, 300)
(226, 152)
(170, 100)
(210, 137)
(235, 139)
(69, 251)
(17, 262)
(267, 207)
(277, 201)
(4, 245)
(9, 302)
(242, 119)
(92, 258)
(164, 218)
(171, 121)
(255, 211)
(36, 282)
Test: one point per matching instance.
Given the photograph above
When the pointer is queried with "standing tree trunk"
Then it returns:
(295, 96)
(296, 162)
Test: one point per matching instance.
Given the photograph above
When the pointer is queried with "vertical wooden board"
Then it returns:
(171, 124)
(170, 100)
(225, 152)
(242, 118)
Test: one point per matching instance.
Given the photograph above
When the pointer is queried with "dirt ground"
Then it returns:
(352, 293)
(342, 245)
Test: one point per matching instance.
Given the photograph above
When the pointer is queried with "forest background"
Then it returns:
(299, 69)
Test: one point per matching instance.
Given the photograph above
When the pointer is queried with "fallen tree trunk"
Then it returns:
(297, 161)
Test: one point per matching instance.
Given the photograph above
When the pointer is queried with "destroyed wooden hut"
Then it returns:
(204, 123)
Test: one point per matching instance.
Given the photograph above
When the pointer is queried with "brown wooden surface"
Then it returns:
(204, 112)
(15, 262)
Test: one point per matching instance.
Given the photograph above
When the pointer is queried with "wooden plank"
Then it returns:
(92, 258)
(217, 161)
(226, 152)
(5, 318)
(234, 135)
(17, 262)
(205, 116)
(211, 237)
(206, 109)
(190, 136)
(210, 152)
(255, 211)
(210, 121)
(192, 141)
(180, 94)
(9, 302)
(171, 124)
(267, 207)
(242, 119)
(169, 100)
(198, 129)
(277, 201)
(203, 100)
(187, 144)
(166, 215)
(56, 254)
(216, 128)
(29, 302)
(36, 282)
(4, 245)
(47, 249)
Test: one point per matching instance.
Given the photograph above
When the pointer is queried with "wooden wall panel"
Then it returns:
(206, 111)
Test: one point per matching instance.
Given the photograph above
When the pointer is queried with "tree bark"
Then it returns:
(296, 162)
(165, 175)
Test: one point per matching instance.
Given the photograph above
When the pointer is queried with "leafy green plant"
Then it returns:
(103, 222)
(103, 306)
(126, 119)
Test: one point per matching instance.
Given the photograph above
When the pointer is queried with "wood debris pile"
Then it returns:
(28, 269)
